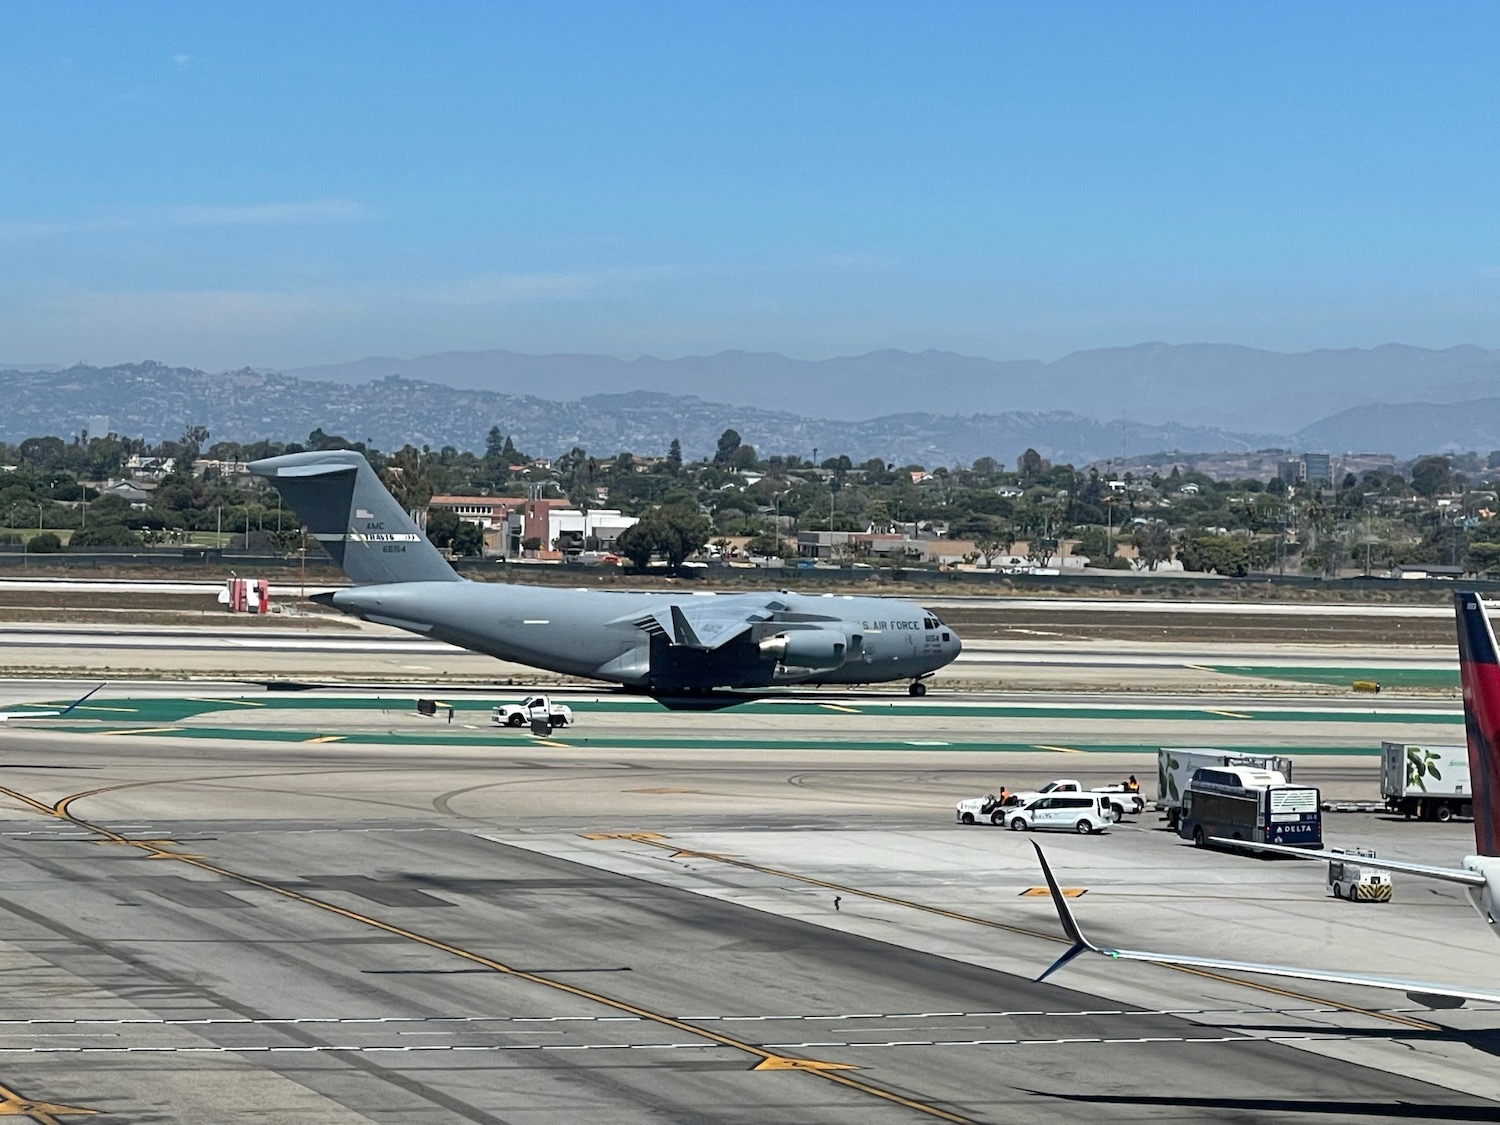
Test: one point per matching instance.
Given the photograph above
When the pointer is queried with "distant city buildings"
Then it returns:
(1317, 468)
(552, 526)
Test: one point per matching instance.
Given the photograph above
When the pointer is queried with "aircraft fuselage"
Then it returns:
(612, 636)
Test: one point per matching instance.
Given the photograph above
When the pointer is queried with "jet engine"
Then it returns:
(824, 649)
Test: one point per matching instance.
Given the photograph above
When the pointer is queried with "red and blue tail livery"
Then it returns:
(1479, 667)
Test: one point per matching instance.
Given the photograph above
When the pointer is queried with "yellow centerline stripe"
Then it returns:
(326, 738)
(1228, 714)
(775, 1059)
(212, 699)
(840, 707)
(137, 730)
(1056, 749)
(1421, 1025)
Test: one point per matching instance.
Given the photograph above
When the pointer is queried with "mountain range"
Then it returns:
(1220, 386)
(944, 402)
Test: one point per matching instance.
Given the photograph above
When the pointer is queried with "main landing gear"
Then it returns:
(917, 688)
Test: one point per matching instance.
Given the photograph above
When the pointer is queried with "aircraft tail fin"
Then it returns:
(1479, 669)
(1070, 926)
(345, 507)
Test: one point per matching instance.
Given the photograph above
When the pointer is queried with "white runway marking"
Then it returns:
(1085, 1013)
(812, 1045)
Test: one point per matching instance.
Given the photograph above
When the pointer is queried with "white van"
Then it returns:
(1076, 812)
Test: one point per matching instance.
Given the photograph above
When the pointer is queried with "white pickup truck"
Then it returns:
(1122, 801)
(532, 707)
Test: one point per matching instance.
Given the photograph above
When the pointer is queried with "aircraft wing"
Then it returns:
(5, 715)
(1427, 871)
(1432, 994)
(703, 624)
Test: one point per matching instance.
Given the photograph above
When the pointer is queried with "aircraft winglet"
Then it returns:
(80, 699)
(1070, 927)
(682, 632)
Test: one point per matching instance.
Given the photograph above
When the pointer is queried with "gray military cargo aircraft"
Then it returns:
(663, 643)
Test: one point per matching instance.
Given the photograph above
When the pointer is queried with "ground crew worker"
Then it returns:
(1132, 786)
(1003, 794)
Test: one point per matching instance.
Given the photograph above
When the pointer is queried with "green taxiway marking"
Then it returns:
(501, 739)
(1387, 677)
(172, 710)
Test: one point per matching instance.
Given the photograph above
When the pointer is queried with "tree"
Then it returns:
(1094, 543)
(679, 532)
(44, 543)
(1153, 543)
(104, 535)
(637, 544)
(468, 539)
(729, 443)
(190, 443)
(442, 525)
(1483, 558)
(1431, 475)
(1031, 465)
(768, 546)
(674, 456)
(1216, 554)
(494, 444)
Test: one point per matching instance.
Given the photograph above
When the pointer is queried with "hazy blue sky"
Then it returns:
(295, 183)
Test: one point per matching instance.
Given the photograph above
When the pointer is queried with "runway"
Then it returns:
(375, 654)
(1438, 607)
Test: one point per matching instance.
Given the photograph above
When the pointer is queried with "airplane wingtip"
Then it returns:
(1079, 943)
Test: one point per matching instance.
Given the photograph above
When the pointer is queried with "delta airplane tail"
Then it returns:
(1479, 670)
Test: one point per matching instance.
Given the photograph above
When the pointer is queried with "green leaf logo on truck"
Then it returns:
(1166, 782)
(1420, 765)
